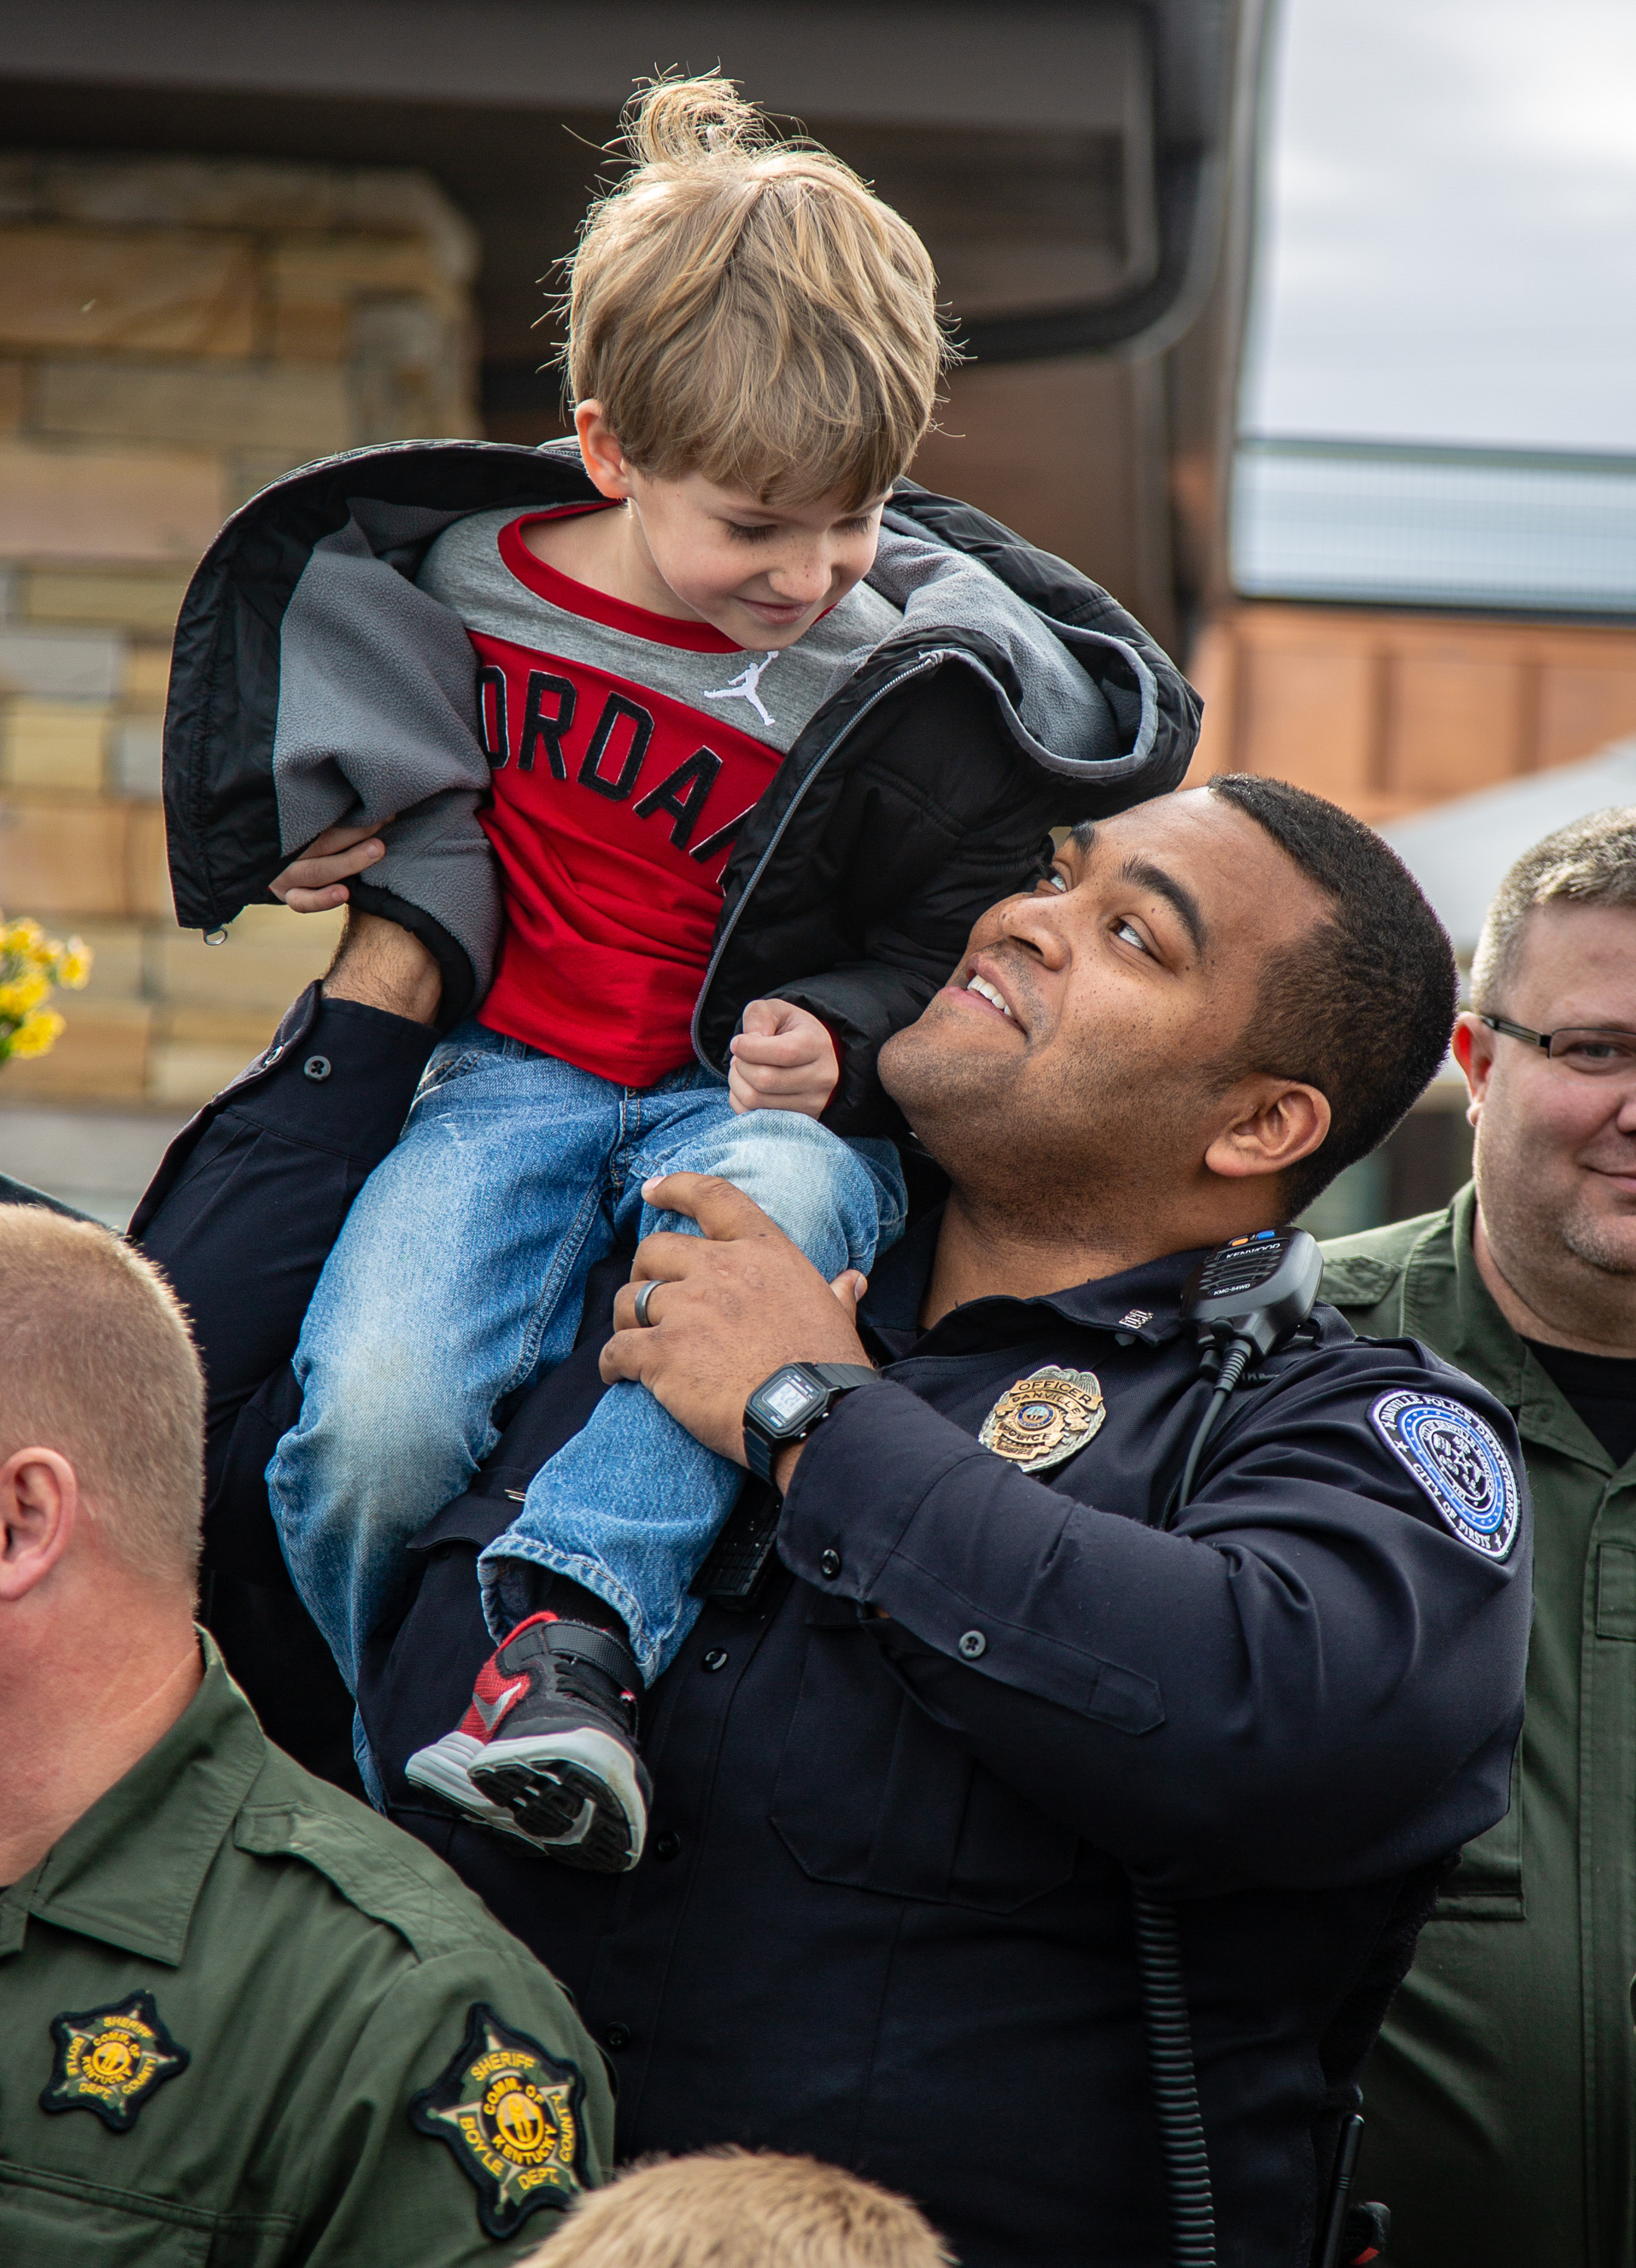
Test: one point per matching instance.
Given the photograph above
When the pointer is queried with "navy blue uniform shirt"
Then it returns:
(885, 1911)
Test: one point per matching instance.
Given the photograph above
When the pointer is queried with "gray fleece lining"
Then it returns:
(1065, 722)
(377, 709)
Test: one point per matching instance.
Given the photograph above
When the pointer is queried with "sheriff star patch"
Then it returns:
(1044, 1418)
(111, 2059)
(511, 2114)
(1458, 1460)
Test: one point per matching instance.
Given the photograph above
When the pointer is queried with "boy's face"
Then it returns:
(761, 574)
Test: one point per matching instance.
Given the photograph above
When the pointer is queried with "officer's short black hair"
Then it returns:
(1363, 1007)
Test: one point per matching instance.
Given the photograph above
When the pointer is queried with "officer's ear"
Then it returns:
(39, 1507)
(1272, 1123)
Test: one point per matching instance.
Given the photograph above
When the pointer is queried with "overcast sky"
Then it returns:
(1449, 243)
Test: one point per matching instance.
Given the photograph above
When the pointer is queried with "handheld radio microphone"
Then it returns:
(1258, 1288)
(1243, 1299)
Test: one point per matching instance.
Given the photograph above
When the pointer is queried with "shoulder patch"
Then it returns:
(109, 2060)
(1457, 1459)
(512, 2116)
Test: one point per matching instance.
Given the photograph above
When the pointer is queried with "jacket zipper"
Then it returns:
(933, 660)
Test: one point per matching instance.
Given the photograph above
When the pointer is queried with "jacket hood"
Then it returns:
(1073, 714)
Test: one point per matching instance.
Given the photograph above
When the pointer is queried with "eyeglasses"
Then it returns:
(1595, 1054)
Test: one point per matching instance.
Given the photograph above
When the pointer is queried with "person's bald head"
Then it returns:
(96, 1366)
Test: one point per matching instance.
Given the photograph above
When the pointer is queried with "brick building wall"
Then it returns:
(174, 334)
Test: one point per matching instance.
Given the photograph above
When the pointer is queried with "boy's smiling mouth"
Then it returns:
(776, 614)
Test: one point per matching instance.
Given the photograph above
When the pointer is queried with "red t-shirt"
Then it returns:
(616, 795)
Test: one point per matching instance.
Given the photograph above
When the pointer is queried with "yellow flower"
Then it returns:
(74, 967)
(20, 936)
(37, 1033)
(21, 997)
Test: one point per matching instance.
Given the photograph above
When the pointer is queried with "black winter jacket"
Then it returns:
(314, 683)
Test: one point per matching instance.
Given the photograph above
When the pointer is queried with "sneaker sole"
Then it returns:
(574, 1794)
(442, 1769)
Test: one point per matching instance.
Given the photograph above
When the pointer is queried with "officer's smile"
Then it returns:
(984, 985)
(984, 990)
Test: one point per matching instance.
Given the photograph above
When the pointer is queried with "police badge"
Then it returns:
(1044, 1418)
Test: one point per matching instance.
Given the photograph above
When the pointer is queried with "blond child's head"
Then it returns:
(744, 308)
(733, 2209)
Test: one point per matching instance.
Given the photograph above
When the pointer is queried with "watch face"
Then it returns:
(786, 1399)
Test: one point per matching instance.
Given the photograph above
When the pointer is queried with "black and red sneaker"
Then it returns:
(547, 1749)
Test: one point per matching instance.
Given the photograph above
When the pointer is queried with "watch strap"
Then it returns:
(842, 1377)
(837, 1378)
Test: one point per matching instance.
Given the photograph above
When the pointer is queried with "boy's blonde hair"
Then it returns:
(746, 308)
(733, 2209)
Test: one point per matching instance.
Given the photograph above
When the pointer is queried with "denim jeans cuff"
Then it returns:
(491, 1578)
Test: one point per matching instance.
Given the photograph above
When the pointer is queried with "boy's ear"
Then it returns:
(603, 458)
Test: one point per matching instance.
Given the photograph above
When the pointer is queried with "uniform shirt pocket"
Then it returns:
(49, 2218)
(1487, 1883)
(872, 1793)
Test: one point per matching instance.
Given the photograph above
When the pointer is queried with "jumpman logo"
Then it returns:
(742, 688)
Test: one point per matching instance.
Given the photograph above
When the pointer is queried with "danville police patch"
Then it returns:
(1044, 1418)
(1458, 1460)
(511, 2116)
(111, 2059)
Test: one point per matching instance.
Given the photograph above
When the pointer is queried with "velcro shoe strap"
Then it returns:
(582, 1642)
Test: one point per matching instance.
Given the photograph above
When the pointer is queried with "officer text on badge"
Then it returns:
(1044, 1418)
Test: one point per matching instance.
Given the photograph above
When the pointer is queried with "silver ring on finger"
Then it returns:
(644, 1292)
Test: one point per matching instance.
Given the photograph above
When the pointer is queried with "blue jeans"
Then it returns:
(461, 1273)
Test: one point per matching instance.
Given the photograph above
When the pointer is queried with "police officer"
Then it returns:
(903, 1794)
(243, 2018)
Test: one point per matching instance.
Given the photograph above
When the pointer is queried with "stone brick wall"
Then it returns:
(174, 334)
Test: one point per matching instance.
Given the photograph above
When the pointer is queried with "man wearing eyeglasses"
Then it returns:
(1500, 2099)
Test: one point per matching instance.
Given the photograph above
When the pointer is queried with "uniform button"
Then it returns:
(973, 1645)
(316, 1066)
(830, 1563)
(716, 1658)
(617, 2037)
(667, 1845)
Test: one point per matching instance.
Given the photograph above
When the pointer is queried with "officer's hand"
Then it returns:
(733, 1307)
(315, 883)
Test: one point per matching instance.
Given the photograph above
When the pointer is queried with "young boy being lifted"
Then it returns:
(754, 351)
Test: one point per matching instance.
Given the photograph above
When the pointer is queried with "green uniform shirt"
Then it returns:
(244, 2023)
(1500, 2101)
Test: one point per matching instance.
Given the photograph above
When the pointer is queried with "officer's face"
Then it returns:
(1556, 1149)
(1092, 1024)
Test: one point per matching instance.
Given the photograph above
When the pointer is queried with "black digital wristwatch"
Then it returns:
(785, 1407)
